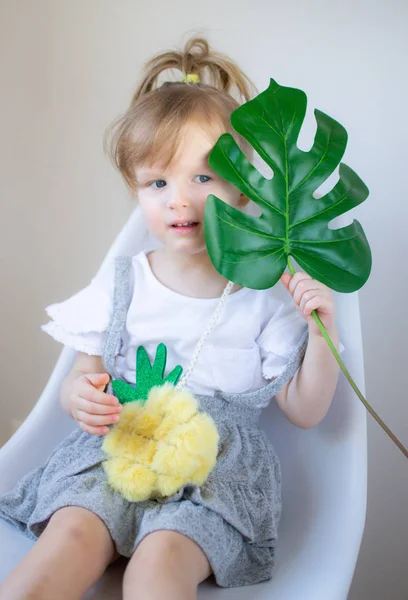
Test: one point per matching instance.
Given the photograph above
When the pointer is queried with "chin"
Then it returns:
(184, 247)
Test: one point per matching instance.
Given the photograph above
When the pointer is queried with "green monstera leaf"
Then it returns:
(254, 251)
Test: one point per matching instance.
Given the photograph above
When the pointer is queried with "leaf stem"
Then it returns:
(349, 377)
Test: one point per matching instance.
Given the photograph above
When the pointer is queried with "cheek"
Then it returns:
(152, 214)
(200, 205)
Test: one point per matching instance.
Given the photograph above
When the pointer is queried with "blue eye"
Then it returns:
(205, 177)
(160, 183)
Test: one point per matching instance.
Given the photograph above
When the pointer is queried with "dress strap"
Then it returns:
(121, 301)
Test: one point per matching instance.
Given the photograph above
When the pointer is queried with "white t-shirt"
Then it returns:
(251, 343)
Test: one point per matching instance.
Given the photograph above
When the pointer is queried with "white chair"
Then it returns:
(324, 476)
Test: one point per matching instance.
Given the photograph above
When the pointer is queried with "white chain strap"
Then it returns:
(213, 321)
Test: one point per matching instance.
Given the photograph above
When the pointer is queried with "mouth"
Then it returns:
(184, 226)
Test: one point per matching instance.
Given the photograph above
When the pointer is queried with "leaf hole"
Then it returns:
(342, 220)
(252, 209)
(307, 132)
(327, 185)
(260, 165)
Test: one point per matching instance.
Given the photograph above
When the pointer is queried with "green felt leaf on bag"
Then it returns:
(147, 376)
(253, 251)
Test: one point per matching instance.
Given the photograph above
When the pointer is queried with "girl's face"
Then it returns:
(172, 200)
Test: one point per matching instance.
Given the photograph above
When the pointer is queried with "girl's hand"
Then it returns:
(309, 295)
(90, 406)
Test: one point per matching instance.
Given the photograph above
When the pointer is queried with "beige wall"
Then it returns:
(68, 68)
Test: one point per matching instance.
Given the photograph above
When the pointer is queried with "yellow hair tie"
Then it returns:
(190, 78)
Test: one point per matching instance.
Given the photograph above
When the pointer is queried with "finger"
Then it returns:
(93, 430)
(306, 288)
(317, 303)
(285, 279)
(302, 297)
(96, 420)
(96, 408)
(99, 380)
(296, 279)
(89, 392)
(307, 297)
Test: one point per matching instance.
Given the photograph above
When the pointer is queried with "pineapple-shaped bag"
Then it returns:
(162, 441)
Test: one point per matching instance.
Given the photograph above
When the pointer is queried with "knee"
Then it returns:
(170, 554)
(172, 550)
(159, 549)
(70, 523)
(79, 526)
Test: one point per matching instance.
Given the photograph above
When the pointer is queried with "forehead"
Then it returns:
(193, 147)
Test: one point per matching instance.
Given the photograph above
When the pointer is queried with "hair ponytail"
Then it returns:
(213, 68)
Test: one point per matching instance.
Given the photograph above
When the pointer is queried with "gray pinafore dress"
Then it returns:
(233, 517)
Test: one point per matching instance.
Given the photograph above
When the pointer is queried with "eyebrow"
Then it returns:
(202, 163)
(149, 171)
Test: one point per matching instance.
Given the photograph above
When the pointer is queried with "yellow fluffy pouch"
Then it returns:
(159, 445)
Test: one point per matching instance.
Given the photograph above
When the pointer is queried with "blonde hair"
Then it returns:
(158, 114)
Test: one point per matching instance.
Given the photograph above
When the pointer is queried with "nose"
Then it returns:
(179, 199)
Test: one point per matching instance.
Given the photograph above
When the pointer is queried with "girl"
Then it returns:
(264, 345)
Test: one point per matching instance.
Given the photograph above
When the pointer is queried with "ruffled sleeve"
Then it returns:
(281, 334)
(81, 321)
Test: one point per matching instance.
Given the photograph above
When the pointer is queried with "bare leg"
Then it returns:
(69, 556)
(165, 565)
